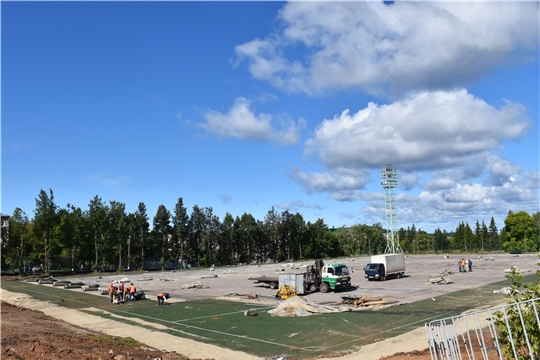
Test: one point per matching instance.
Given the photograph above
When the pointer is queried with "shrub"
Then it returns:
(511, 326)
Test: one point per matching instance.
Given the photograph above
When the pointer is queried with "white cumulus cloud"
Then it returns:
(242, 123)
(390, 49)
(423, 131)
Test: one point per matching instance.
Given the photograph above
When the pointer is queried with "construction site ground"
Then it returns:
(198, 325)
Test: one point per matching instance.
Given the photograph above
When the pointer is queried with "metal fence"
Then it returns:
(475, 336)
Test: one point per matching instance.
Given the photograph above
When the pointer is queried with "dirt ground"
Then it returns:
(29, 334)
(31, 328)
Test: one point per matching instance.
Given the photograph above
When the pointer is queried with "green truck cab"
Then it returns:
(335, 277)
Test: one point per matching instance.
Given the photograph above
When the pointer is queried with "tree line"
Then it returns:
(104, 237)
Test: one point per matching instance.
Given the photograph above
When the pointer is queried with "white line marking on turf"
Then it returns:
(215, 331)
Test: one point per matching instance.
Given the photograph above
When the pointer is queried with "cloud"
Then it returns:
(445, 202)
(225, 199)
(109, 181)
(22, 146)
(342, 184)
(501, 171)
(294, 205)
(242, 123)
(423, 131)
(384, 49)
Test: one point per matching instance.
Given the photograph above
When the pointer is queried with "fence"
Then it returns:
(475, 336)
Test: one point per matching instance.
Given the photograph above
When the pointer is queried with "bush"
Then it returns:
(515, 328)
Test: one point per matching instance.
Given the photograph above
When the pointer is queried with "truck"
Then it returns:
(270, 281)
(317, 277)
(385, 266)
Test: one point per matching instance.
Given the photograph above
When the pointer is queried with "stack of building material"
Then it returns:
(195, 285)
(516, 269)
(73, 286)
(439, 280)
(369, 300)
(299, 306)
(93, 287)
(146, 278)
(447, 272)
(47, 280)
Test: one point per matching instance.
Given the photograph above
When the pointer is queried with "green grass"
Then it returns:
(223, 323)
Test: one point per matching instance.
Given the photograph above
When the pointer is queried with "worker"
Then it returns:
(121, 291)
(162, 298)
(111, 291)
(132, 292)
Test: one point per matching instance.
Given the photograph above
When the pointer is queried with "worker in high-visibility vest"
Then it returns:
(162, 298)
(111, 291)
(121, 291)
(132, 292)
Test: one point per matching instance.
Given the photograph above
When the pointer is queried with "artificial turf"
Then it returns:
(223, 323)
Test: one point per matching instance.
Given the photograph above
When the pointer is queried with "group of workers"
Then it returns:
(463, 264)
(121, 293)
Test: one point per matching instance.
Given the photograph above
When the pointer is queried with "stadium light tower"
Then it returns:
(389, 183)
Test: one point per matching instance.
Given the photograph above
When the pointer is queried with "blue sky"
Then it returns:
(245, 106)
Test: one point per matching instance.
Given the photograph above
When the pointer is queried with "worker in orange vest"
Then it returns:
(121, 291)
(162, 298)
(111, 291)
(132, 292)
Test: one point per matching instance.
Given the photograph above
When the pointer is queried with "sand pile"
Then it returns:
(297, 306)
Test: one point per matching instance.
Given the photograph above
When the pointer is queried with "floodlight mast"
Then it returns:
(389, 183)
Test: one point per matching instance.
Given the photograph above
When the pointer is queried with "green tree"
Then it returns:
(402, 236)
(271, 224)
(69, 231)
(16, 250)
(519, 232)
(226, 241)
(209, 243)
(493, 235)
(118, 227)
(180, 230)
(536, 230)
(468, 237)
(97, 227)
(411, 237)
(476, 241)
(162, 227)
(141, 227)
(441, 239)
(347, 242)
(197, 226)
(45, 218)
(484, 237)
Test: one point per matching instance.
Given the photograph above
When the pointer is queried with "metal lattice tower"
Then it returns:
(389, 183)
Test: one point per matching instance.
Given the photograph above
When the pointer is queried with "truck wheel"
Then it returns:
(313, 288)
(273, 285)
(398, 275)
(324, 288)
